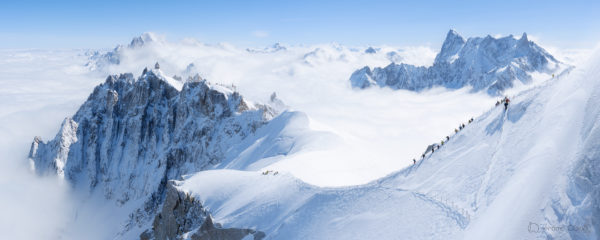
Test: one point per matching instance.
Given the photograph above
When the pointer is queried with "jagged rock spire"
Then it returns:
(484, 63)
(451, 46)
(524, 37)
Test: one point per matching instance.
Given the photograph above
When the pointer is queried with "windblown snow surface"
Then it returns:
(526, 173)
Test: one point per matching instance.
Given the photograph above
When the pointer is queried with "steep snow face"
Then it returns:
(528, 172)
(488, 64)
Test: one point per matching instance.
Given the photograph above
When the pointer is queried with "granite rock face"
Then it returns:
(132, 136)
(182, 214)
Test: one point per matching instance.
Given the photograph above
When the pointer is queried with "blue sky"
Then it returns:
(103, 24)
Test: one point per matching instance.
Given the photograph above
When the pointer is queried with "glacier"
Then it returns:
(484, 64)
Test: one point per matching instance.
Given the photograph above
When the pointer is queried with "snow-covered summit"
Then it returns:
(99, 59)
(491, 64)
(370, 50)
(145, 38)
(270, 49)
(451, 46)
(157, 73)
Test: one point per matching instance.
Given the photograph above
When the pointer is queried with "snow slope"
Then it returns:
(530, 172)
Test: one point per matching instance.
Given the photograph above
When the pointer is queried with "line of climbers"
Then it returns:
(504, 101)
(270, 171)
(431, 148)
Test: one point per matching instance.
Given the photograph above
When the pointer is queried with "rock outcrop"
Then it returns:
(182, 214)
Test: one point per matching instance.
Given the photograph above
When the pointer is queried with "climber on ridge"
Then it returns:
(506, 101)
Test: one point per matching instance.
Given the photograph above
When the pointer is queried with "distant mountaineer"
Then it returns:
(156, 66)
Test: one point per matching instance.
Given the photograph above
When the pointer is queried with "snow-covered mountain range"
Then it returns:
(159, 157)
(270, 49)
(490, 64)
(176, 57)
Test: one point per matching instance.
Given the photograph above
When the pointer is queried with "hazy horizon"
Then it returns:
(73, 24)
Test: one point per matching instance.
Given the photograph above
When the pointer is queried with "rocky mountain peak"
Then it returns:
(524, 37)
(453, 43)
(143, 39)
(488, 63)
(146, 125)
